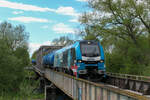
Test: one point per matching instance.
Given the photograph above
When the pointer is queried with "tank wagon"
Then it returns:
(41, 52)
(83, 59)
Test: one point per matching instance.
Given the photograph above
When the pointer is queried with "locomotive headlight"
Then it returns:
(80, 61)
(101, 61)
(89, 42)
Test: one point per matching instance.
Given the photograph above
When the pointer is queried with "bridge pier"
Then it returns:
(53, 93)
(50, 92)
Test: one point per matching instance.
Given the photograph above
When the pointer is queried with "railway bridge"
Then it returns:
(117, 86)
(80, 89)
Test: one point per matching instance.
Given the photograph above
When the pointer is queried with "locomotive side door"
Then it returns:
(69, 58)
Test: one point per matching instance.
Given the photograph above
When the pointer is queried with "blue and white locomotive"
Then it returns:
(84, 59)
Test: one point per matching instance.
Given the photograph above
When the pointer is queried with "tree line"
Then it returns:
(14, 56)
(123, 28)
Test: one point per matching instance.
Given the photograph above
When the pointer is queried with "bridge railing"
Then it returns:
(79, 89)
(127, 76)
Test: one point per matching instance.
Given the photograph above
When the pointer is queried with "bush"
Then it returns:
(14, 57)
(12, 72)
(130, 58)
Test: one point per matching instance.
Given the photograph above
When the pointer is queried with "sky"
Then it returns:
(45, 20)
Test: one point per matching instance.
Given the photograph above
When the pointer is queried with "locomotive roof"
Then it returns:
(86, 41)
(67, 47)
(73, 45)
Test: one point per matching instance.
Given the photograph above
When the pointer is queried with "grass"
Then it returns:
(25, 92)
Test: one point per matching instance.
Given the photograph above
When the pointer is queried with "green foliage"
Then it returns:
(117, 20)
(130, 58)
(22, 54)
(34, 55)
(14, 57)
(90, 37)
(25, 93)
(27, 90)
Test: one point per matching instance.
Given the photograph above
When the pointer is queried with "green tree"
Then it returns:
(22, 54)
(62, 41)
(14, 56)
(14, 36)
(119, 19)
(34, 55)
(128, 58)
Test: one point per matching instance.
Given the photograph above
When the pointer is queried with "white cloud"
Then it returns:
(75, 20)
(45, 27)
(26, 7)
(28, 19)
(82, 0)
(35, 46)
(67, 11)
(62, 28)
(17, 12)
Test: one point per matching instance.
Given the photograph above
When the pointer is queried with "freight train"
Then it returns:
(83, 59)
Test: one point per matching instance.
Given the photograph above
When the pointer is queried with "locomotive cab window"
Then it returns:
(90, 49)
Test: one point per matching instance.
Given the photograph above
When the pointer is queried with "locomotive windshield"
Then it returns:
(90, 49)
